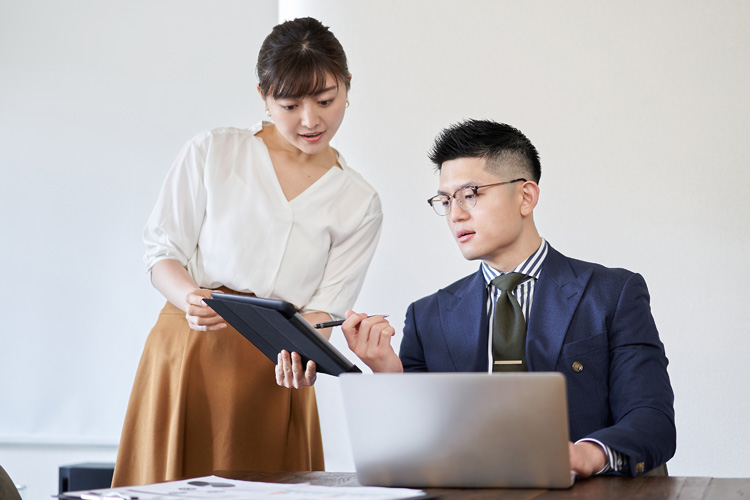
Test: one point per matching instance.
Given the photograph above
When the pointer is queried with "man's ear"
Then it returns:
(530, 193)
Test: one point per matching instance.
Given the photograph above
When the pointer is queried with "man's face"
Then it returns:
(492, 228)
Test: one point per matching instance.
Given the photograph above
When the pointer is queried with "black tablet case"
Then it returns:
(274, 325)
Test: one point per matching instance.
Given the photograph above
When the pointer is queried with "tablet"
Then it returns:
(275, 325)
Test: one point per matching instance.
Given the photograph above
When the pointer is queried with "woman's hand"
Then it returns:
(175, 283)
(199, 315)
(289, 372)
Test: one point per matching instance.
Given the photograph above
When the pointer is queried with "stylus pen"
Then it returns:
(341, 322)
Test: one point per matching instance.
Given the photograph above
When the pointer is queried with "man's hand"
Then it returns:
(370, 339)
(289, 372)
(199, 315)
(586, 458)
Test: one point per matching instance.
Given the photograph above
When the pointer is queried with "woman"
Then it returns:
(272, 211)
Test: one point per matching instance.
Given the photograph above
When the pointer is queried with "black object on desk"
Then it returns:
(275, 325)
(86, 476)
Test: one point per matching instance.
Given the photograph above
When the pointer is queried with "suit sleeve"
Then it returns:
(411, 352)
(640, 394)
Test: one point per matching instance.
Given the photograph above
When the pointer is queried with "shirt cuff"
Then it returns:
(614, 458)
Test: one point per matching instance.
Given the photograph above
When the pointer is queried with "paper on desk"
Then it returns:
(231, 489)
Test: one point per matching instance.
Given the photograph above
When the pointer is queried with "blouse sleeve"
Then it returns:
(173, 228)
(347, 265)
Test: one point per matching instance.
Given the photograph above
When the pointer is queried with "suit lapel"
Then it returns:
(464, 323)
(556, 296)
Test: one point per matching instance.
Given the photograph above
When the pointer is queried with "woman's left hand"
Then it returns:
(289, 372)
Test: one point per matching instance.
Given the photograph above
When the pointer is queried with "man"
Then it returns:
(591, 323)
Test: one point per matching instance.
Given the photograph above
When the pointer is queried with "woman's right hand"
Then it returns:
(199, 315)
(175, 283)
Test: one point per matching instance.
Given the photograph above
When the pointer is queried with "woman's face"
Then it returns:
(309, 123)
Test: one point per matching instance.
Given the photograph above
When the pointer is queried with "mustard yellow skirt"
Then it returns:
(208, 401)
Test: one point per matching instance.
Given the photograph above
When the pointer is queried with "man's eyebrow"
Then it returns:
(462, 186)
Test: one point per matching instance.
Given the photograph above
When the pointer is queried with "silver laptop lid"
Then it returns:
(458, 429)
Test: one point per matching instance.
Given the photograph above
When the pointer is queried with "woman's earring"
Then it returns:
(268, 113)
(347, 103)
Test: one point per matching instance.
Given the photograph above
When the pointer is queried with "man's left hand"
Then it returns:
(586, 458)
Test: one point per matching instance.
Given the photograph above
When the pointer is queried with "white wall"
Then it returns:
(640, 111)
(96, 99)
(637, 108)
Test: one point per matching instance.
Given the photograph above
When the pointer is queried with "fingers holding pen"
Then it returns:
(380, 332)
(360, 330)
(370, 339)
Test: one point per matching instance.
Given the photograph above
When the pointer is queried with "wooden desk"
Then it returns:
(598, 488)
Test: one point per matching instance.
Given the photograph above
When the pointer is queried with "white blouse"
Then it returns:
(222, 214)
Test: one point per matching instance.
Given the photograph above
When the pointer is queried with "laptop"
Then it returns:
(462, 430)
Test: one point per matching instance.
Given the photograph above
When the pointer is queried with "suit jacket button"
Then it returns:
(577, 366)
(639, 467)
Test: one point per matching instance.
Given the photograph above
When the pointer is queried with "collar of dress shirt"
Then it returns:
(531, 266)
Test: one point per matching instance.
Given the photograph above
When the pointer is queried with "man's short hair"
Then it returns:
(505, 148)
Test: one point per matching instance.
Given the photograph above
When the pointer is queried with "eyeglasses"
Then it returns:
(466, 197)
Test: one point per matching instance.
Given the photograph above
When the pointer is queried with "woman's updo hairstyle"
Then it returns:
(295, 58)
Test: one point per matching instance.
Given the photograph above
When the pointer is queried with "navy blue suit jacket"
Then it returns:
(582, 312)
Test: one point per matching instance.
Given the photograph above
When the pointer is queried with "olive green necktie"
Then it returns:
(509, 331)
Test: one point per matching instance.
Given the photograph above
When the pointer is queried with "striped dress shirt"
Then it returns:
(524, 294)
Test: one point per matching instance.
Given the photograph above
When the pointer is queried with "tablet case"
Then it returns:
(275, 325)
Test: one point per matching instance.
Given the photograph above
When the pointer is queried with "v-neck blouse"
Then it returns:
(222, 214)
